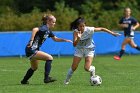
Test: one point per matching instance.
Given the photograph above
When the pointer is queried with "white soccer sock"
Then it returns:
(92, 70)
(69, 75)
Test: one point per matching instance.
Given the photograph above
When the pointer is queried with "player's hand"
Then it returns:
(69, 41)
(116, 34)
(132, 28)
(30, 43)
(79, 34)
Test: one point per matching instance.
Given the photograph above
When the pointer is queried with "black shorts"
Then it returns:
(30, 52)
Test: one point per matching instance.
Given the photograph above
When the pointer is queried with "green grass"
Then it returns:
(118, 76)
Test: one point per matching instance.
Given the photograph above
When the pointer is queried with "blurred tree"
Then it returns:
(26, 6)
(4, 5)
(65, 16)
(18, 14)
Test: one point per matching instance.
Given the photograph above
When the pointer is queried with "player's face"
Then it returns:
(51, 22)
(127, 12)
(81, 27)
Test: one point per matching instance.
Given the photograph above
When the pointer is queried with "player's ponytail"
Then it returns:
(76, 22)
(44, 19)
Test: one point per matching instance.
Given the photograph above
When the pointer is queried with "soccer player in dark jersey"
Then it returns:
(129, 25)
(39, 35)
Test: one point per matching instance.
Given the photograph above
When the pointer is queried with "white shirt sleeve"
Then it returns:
(90, 29)
(75, 30)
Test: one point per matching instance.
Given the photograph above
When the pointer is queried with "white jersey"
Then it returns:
(86, 40)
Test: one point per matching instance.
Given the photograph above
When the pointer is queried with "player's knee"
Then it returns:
(50, 58)
(134, 46)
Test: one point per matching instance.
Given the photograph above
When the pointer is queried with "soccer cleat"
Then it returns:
(24, 82)
(49, 80)
(117, 58)
(66, 82)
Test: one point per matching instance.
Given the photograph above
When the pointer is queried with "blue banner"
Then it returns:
(13, 43)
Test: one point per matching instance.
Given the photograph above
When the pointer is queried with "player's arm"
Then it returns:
(34, 31)
(106, 30)
(76, 37)
(60, 39)
(136, 26)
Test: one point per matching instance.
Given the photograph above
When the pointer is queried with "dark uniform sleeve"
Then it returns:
(51, 34)
(121, 21)
(134, 21)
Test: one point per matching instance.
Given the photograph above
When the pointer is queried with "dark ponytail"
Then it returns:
(76, 22)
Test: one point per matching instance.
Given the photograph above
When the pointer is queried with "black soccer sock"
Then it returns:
(121, 53)
(29, 73)
(47, 68)
(138, 48)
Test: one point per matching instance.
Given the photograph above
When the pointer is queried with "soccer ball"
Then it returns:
(96, 80)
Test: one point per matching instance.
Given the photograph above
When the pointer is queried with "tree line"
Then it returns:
(23, 15)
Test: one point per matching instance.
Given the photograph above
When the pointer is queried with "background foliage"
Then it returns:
(26, 14)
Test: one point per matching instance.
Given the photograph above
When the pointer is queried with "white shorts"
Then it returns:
(84, 52)
(131, 37)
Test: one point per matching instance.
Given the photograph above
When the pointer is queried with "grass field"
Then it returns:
(118, 76)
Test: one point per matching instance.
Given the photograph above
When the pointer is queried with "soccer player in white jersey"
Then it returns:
(84, 46)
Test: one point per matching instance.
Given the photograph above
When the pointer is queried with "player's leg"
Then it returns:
(30, 71)
(126, 41)
(48, 58)
(88, 65)
(76, 61)
(132, 44)
(122, 51)
(89, 54)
